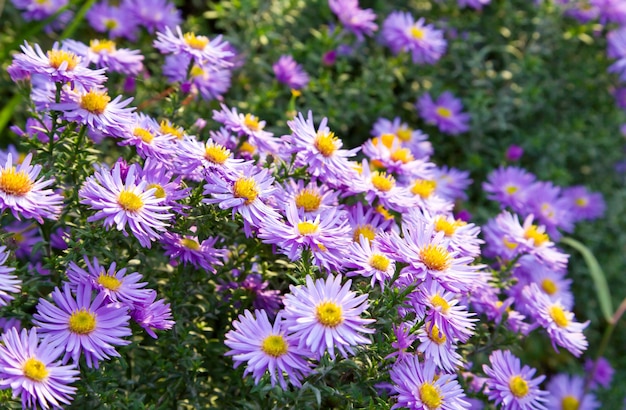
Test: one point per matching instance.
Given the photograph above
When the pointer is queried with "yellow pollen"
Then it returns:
(439, 301)
(329, 314)
(35, 370)
(309, 200)
(195, 42)
(17, 237)
(437, 335)
(423, 187)
(558, 315)
(509, 244)
(95, 101)
(435, 257)
(379, 262)
(404, 134)
(384, 212)
(58, 57)
(159, 192)
(403, 155)
(145, 135)
(307, 228)
(82, 322)
(98, 46)
(416, 33)
(168, 128)
(190, 244)
(570, 403)
(129, 201)
(443, 112)
(382, 181)
(511, 189)
(386, 139)
(247, 147)
(538, 237)
(274, 345)
(196, 71)
(549, 286)
(518, 386)
(252, 122)
(326, 143)
(368, 232)
(246, 188)
(430, 396)
(110, 24)
(581, 202)
(216, 153)
(109, 281)
(449, 228)
(14, 183)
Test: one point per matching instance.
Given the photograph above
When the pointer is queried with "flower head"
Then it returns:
(403, 34)
(8, 283)
(290, 73)
(357, 20)
(445, 112)
(568, 392)
(200, 48)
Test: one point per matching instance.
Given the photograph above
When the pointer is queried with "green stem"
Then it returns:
(78, 18)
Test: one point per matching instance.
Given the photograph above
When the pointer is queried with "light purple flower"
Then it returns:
(153, 315)
(584, 205)
(357, 20)
(8, 283)
(105, 54)
(154, 15)
(117, 21)
(445, 112)
(190, 250)
(200, 48)
(403, 34)
(290, 73)
(600, 371)
(568, 392)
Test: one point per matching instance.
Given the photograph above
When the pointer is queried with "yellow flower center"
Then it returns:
(326, 143)
(416, 33)
(386, 139)
(441, 302)
(190, 244)
(110, 24)
(274, 345)
(195, 42)
(402, 155)
(247, 147)
(435, 257)
(95, 101)
(538, 237)
(82, 322)
(443, 112)
(430, 396)
(329, 314)
(251, 122)
(385, 213)
(15, 183)
(509, 244)
(379, 262)
(35, 370)
(518, 386)
(145, 135)
(109, 281)
(367, 231)
(168, 128)
(309, 200)
(216, 153)
(196, 71)
(404, 134)
(129, 201)
(98, 46)
(570, 403)
(558, 315)
(382, 181)
(159, 192)
(447, 227)
(511, 189)
(307, 228)
(549, 286)
(581, 202)
(437, 335)
(246, 188)
(58, 57)
(423, 187)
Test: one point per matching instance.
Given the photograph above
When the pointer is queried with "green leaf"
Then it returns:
(598, 276)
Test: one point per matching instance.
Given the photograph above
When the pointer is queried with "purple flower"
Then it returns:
(117, 21)
(600, 371)
(584, 205)
(403, 34)
(358, 21)
(509, 186)
(512, 385)
(210, 81)
(610, 10)
(29, 366)
(445, 113)
(617, 49)
(568, 392)
(154, 15)
(324, 316)
(550, 207)
(404, 341)
(200, 48)
(368, 261)
(475, 4)
(414, 139)
(514, 153)
(289, 72)
(105, 54)
(190, 250)
(265, 347)
(152, 315)
(8, 283)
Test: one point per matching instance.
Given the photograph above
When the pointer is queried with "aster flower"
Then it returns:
(418, 386)
(404, 341)
(367, 221)
(475, 4)
(600, 371)
(209, 81)
(509, 186)
(265, 347)
(8, 283)
(145, 134)
(269, 300)
(125, 202)
(310, 198)
(30, 368)
(82, 323)
(24, 195)
(584, 205)
(247, 125)
(205, 157)
(617, 49)
(357, 20)
(512, 385)
(152, 315)
(324, 316)
(190, 250)
(423, 189)
(568, 392)
(290, 73)
(414, 139)
(401, 33)
(610, 10)
(200, 48)
(23, 237)
(439, 348)
(33, 10)
(105, 54)
(143, 11)
(550, 207)
(117, 21)
(168, 187)
(445, 112)
(558, 322)
(388, 152)
(451, 183)
(368, 261)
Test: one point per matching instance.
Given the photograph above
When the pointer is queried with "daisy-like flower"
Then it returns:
(357, 20)
(319, 150)
(601, 372)
(190, 250)
(168, 187)
(83, 324)
(451, 182)
(290, 73)
(509, 186)
(145, 134)
(403, 34)
(584, 205)
(512, 385)
(205, 157)
(551, 282)
(414, 139)
(152, 315)
(116, 285)
(117, 21)
(209, 81)
(568, 392)
(24, 195)
(474, 4)
(125, 202)
(310, 199)
(58, 66)
(558, 322)
(144, 12)
(247, 125)
(267, 348)
(404, 341)
(550, 207)
(324, 316)
(33, 10)
(200, 48)
(439, 347)
(8, 283)
(428, 200)
(368, 222)
(418, 386)
(30, 368)
(104, 53)
(445, 112)
(388, 152)
(368, 261)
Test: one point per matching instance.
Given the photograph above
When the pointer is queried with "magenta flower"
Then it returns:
(290, 73)
(446, 113)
